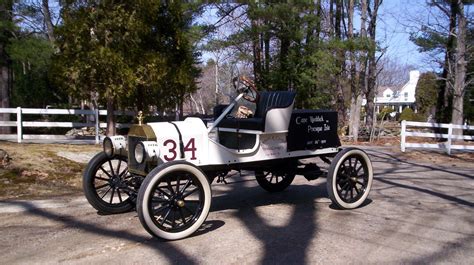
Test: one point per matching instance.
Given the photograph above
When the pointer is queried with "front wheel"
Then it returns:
(174, 200)
(349, 178)
(106, 184)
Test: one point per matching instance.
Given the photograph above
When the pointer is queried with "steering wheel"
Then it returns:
(249, 89)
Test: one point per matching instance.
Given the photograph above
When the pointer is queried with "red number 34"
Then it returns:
(171, 145)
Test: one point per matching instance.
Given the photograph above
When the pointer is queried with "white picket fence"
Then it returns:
(20, 124)
(448, 146)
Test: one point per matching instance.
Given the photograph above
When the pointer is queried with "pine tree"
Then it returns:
(132, 53)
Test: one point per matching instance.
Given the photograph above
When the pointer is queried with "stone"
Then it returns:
(4, 159)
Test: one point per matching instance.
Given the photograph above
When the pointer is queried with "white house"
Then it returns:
(398, 98)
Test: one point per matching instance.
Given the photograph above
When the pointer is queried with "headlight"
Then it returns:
(114, 145)
(108, 147)
(140, 153)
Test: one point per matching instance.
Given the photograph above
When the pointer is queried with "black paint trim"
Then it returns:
(181, 145)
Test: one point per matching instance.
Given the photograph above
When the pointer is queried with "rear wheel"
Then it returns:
(174, 200)
(275, 181)
(349, 178)
(106, 184)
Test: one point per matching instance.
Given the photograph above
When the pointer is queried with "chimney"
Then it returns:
(414, 76)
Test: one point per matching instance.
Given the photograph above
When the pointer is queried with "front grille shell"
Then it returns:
(139, 133)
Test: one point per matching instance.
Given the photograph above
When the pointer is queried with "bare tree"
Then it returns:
(204, 99)
(392, 73)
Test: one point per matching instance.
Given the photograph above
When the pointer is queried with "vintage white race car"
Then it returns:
(165, 169)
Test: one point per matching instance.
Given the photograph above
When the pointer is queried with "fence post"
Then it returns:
(97, 126)
(450, 135)
(19, 125)
(402, 141)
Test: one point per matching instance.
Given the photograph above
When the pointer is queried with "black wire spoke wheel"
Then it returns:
(177, 201)
(106, 184)
(350, 178)
(274, 181)
(353, 179)
(174, 200)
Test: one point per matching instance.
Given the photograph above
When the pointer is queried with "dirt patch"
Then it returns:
(461, 159)
(433, 156)
(36, 170)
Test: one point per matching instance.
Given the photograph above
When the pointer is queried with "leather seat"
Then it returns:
(268, 100)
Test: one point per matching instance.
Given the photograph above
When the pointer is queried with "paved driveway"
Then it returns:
(417, 213)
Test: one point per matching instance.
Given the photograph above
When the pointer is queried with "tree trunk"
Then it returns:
(370, 92)
(340, 102)
(5, 64)
(257, 53)
(194, 105)
(362, 72)
(201, 103)
(284, 50)
(331, 17)
(372, 69)
(47, 20)
(266, 46)
(444, 101)
(318, 22)
(111, 121)
(4, 90)
(460, 77)
(354, 122)
(180, 106)
(363, 18)
(358, 107)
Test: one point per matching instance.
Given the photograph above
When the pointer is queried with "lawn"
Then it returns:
(40, 170)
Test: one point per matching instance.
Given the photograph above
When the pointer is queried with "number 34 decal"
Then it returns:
(172, 153)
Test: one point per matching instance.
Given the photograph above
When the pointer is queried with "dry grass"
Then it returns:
(35, 170)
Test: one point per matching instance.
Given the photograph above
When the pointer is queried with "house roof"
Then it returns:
(382, 89)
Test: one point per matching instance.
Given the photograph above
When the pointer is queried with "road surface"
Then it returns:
(417, 213)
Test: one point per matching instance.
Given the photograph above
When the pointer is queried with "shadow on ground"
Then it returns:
(281, 244)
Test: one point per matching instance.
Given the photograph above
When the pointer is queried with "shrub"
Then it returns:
(408, 115)
(385, 113)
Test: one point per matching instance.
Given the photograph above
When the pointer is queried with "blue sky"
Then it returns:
(397, 18)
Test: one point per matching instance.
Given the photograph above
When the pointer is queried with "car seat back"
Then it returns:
(273, 99)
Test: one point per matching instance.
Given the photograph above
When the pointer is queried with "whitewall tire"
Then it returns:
(349, 178)
(174, 200)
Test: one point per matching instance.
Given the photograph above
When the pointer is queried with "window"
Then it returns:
(406, 94)
(388, 95)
